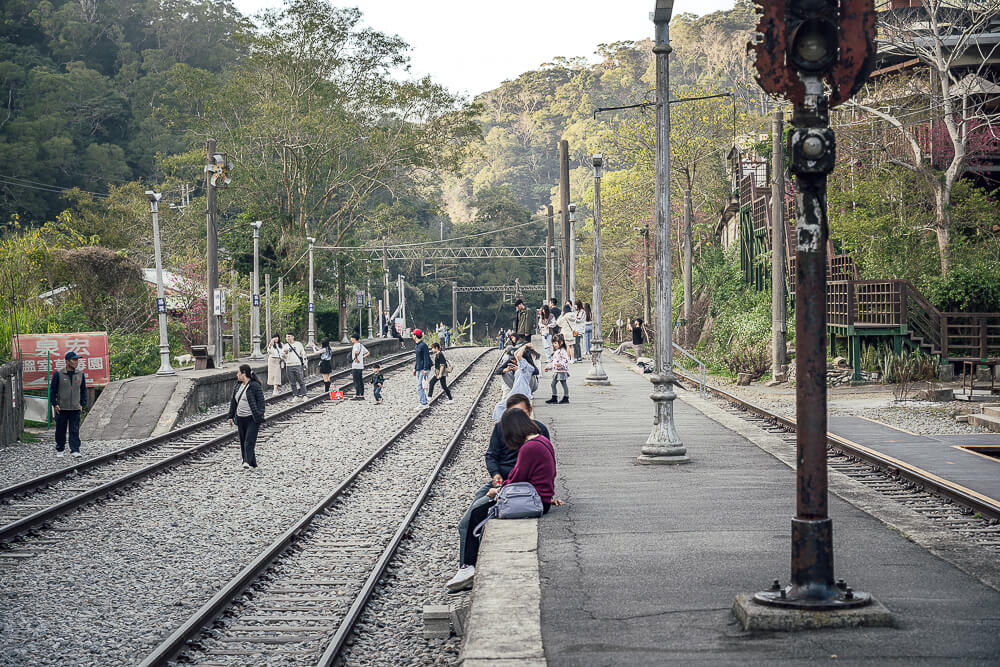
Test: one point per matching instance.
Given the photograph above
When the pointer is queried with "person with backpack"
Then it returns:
(294, 356)
(358, 354)
(246, 409)
(442, 367)
(536, 465)
(500, 460)
(378, 381)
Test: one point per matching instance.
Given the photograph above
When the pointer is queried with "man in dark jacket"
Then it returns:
(422, 367)
(524, 321)
(500, 459)
(68, 398)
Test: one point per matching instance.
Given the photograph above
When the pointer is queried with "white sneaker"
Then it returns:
(462, 580)
(246, 466)
(77, 455)
(59, 455)
(274, 393)
(450, 401)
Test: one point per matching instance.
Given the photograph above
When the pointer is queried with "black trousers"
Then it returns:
(444, 386)
(69, 418)
(248, 429)
(359, 385)
(476, 516)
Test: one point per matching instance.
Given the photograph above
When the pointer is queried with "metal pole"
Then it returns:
(385, 285)
(454, 306)
(552, 251)
(663, 444)
(267, 306)
(548, 259)
(778, 300)
(564, 212)
(368, 300)
(281, 305)
(236, 314)
(312, 304)
(402, 299)
(472, 339)
(214, 331)
(597, 375)
(255, 352)
(161, 301)
(688, 242)
(572, 252)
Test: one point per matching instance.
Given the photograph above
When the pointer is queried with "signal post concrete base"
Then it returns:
(755, 617)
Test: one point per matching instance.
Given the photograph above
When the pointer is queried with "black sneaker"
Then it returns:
(554, 399)
(565, 399)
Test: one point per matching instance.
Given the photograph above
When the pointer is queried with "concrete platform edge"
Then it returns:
(941, 542)
(504, 625)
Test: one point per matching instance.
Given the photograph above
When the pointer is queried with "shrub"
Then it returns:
(969, 289)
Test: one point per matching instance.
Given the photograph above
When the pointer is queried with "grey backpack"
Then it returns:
(519, 500)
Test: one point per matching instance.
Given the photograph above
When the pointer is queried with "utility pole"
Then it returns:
(312, 304)
(778, 300)
(663, 445)
(342, 300)
(551, 252)
(161, 300)
(368, 299)
(385, 287)
(572, 253)
(564, 212)
(818, 54)
(255, 352)
(454, 306)
(214, 332)
(236, 314)
(267, 306)
(688, 242)
(597, 375)
(472, 339)
(402, 298)
(281, 307)
(548, 257)
(647, 290)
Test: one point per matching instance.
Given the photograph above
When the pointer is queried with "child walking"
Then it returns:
(560, 364)
(377, 381)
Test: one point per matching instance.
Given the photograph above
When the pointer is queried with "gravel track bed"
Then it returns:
(921, 417)
(27, 460)
(362, 522)
(140, 563)
(390, 629)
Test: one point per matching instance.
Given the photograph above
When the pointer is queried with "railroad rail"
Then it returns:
(876, 459)
(152, 455)
(318, 559)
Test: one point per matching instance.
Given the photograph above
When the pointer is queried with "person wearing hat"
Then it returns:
(422, 367)
(68, 398)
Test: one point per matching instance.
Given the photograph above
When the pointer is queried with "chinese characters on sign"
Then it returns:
(43, 354)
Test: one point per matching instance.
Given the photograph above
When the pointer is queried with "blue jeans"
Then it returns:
(588, 333)
(548, 346)
(69, 418)
(421, 394)
(377, 391)
(447, 340)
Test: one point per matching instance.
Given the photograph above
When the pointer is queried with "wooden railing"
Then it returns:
(893, 303)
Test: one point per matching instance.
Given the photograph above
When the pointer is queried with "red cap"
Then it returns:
(418, 332)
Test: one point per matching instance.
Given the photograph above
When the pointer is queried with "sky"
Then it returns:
(472, 46)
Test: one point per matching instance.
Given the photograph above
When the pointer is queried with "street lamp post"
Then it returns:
(161, 301)
(255, 352)
(663, 446)
(311, 342)
(597, 374)
(572, 253)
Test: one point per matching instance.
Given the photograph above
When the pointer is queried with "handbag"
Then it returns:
(519, 500)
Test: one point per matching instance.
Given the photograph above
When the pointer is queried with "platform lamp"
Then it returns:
(311, 342)
(255, 352)
(161, 300)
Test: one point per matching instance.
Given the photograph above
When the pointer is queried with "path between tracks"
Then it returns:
(642, 565)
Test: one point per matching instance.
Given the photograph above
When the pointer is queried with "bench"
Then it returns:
(969, 368)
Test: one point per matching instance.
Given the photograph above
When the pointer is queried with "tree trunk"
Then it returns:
(942, 225)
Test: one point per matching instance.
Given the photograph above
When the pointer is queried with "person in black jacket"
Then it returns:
(247, 409)
(440, 373)
(421, 367)
(500, 459)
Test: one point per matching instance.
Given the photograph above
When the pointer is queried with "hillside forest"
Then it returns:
(328, 138)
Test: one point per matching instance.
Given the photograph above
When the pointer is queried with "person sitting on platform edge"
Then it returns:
(246, 407)
(536, 464)
(500, 459)
(68, 398)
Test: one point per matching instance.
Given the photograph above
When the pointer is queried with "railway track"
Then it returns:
(32, 503)
(974, 518)
(299, 599)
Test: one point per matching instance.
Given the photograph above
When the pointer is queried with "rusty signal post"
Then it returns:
(816, 54)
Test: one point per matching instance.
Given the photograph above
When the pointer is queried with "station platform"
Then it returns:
(643, 563)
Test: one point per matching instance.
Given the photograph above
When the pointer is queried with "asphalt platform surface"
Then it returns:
(642, 565)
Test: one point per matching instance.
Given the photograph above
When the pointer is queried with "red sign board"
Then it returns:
(336, 394)
(42, 354)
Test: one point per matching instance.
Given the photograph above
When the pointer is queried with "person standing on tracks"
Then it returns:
(524, 321)
(358, 355)
(274, 364)
(325, 363)
(68, 398)
(442, 368)
(378, 381)
(294, 356)
(421, 367)
(246, 409)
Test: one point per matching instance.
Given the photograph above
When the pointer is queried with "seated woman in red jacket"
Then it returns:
(536, 463)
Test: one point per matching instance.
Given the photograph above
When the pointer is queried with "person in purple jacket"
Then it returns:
(536, 463)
